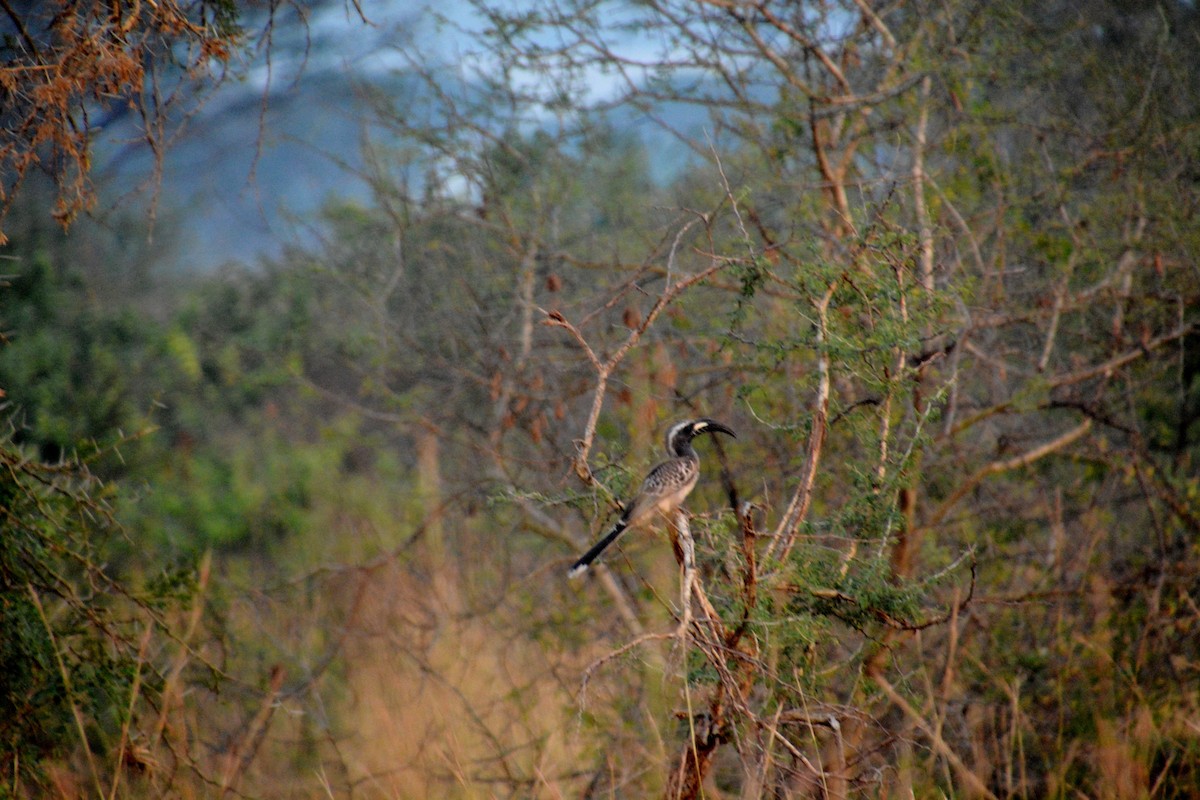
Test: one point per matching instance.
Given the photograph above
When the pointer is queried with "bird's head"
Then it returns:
(679, 437)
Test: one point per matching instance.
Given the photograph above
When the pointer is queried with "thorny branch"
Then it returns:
(719, 645)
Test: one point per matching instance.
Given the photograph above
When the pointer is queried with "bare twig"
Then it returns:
(924, 227)
(939, 744)
(1007, 465)
(605, 368)
(797, 510)
(244, 750)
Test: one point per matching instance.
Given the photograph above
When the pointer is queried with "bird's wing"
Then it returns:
(664, 480)
(667, 477)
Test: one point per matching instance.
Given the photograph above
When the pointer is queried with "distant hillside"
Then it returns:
(251, 167)
(246, 169)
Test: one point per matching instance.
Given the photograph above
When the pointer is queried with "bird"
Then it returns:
(663, 490)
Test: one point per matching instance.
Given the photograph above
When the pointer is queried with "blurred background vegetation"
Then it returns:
(297, 524)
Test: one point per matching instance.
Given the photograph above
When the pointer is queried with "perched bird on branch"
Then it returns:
(664, 489)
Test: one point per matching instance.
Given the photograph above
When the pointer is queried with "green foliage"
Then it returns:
(69, 366)
(257, 493)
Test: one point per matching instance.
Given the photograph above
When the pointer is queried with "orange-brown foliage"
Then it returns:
(71, 61)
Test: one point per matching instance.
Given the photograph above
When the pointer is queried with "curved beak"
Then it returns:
(707, 425)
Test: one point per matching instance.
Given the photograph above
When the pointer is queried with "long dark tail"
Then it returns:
(585, 560)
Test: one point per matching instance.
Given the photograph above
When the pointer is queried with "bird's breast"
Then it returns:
(672, 499)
